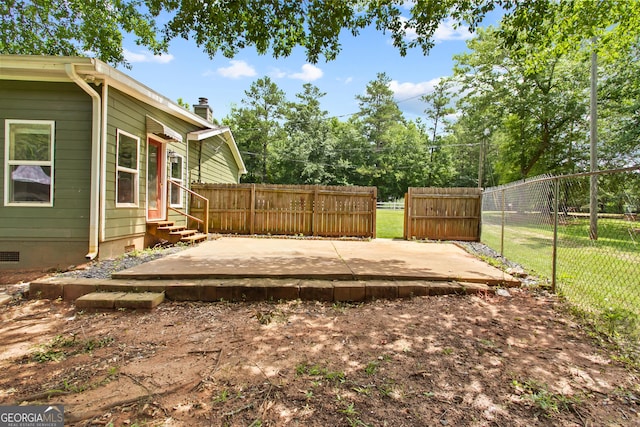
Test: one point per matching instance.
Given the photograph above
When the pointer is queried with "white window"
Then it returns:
(127, 170)
(28, 162)
(176, 166)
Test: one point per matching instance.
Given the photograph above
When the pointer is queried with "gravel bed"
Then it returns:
(102, 269)
(481, 250)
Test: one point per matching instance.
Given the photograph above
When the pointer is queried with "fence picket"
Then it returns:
(311, 210)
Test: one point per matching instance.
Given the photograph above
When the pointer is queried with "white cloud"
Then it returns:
(146, 56)
(277, 73)
(408, 95)
(309, 73)
(408, 90)
(237, 69)
(447, 30)
(345, 80)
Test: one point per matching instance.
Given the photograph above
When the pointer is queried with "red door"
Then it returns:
(155, 165)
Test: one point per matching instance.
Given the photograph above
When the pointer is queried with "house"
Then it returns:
(91, 159)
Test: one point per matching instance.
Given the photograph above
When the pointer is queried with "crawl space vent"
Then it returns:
(9, 256)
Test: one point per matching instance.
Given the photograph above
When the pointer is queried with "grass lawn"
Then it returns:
(600, 276)
(390, 223)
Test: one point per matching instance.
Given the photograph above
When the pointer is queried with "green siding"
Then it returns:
(70, 108)
(129, 115)
(214, 165)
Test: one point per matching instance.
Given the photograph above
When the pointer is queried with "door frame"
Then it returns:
(162, 177)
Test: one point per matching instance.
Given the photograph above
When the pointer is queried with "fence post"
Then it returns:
(252, 212)
(314, 218)
(406, 210)
(502, 226)
(374, 208)
(479, 215)
(556, 203)
(206, 216)
(407, 213)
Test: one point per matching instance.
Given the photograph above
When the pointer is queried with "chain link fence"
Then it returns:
(546, 225)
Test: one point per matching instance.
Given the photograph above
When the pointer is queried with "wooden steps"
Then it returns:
(172, 233)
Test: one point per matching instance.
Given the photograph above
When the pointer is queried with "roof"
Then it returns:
(53, 69)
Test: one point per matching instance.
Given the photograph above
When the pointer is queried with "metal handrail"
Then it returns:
(205, 221)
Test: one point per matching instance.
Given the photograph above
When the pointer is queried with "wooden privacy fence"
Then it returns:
(443, 213)
(310, 210)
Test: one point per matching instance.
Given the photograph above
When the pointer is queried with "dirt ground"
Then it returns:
(483, 360)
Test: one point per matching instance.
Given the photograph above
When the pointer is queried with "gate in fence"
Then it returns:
(443, 213)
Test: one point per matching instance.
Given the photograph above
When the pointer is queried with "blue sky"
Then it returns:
(187, 72)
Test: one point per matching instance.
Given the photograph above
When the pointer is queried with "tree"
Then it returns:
(438, 108)
(306, 155)
(619, 95)
(354, 154)
(378, 111)
(184, 104)
(533, 114)
(74, 27)
(402, 162)
(257, 126)
(558, 28)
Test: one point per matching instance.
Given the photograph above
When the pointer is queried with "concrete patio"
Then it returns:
(254, 269)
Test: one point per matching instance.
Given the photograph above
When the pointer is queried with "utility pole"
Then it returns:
(593, 139)
(486, 133)
(480, 162)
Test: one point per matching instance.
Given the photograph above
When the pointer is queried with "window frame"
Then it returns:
(8, 163)
(135, 172)
(176, 180)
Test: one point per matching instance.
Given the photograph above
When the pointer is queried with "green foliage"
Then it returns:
(526, 123)
(307, 155)
(316, 370)
(222, 397)
(296, 143)
(257, 127)
(550, 403)
(74, 27)
(371, 368)
(619, 320)
(62, 347)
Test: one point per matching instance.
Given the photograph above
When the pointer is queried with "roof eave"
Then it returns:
(226, 134)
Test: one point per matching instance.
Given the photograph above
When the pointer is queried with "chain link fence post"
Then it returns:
(556, 205)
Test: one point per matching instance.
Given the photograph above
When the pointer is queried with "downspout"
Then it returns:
(94, 209)
(103, 163)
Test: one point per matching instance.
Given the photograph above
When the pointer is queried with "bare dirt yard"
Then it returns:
(482, 360)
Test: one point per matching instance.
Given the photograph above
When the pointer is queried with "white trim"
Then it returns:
(199, 135)
(179, 181)
(135, 172)
(8, 163)
(162, 177)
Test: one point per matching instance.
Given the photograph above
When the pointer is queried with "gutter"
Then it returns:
(94, 209)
